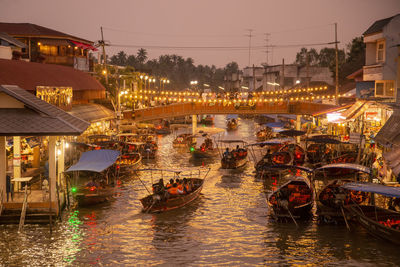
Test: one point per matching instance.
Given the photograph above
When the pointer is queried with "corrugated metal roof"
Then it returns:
(28, 75)
(4, 36)
(389, 134)
(37, 118)
(33, 30)
(377, 26)
(92, 112)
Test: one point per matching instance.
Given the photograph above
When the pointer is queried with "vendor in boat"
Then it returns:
(227, 153)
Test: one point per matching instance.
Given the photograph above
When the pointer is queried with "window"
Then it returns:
(384, 89)
(50, 50)
(380, 51)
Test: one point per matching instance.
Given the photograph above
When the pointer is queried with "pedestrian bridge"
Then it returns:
(185, 109)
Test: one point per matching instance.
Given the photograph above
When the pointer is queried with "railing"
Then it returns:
(23, 212)
(184, 109)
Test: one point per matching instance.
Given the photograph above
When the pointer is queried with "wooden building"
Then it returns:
(49, 46)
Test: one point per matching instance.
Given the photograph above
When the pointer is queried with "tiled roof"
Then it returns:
(33, 30)
(377, 26)
(92, 112)
(37, 118)
(28, 75)
(4, 36)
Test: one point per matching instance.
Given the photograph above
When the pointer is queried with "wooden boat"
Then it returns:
(233, 158)
(292, 200)
(163, 128)
(129, 161)
(379, 222)
(97, 177)
(206, 150)
(332, 197)
(265, 165)
(296, 151)
(232, 124)
(184, 141)
(264, 134)
(207, 120)
(160, 200)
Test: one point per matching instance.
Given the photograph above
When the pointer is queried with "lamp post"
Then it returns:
(145, 80)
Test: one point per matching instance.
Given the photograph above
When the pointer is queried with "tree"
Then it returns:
(141, 55)
(119, 59)
(231, 67)
(301, 57)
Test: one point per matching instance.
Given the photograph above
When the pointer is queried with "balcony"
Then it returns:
(373, 72)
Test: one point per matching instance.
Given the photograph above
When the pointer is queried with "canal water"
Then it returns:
(227, 226)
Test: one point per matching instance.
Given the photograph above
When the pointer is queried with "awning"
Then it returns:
(389, 134)
(95, 160)
(349, 166)
(83, 46)
(92, 112)
(392, 158)
(388, 191)
(356, 110)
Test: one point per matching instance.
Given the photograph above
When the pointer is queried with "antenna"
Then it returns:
(266, 47)
(249, 35)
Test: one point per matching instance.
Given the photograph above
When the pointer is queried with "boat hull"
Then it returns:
(370, 217)
(87, 198)
(233, 164)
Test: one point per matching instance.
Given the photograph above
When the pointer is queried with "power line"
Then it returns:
(261, 47)
(177, 35)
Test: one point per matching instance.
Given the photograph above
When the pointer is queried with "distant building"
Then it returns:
(233, 81)
(253, 78)
(49, 46)
(276, 77)
(381, 55)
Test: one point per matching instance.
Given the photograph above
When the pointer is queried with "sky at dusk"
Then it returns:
(171, 26)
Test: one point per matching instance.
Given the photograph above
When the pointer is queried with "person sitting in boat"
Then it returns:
(268, 157)
(171, 182)
(186, 186)
(175, 190)
(227, 153)
(158, 187)
(208, 143)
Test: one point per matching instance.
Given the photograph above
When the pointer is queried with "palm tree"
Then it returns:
(141, 55)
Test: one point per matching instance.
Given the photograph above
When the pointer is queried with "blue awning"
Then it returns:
(95, 160)
(350, 166)
(388, 191)
(275, 124)
(232, 116)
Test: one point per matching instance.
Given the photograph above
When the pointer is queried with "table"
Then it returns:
(21, 180)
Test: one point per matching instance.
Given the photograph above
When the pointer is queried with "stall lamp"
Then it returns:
(191, 149)
(73, 189)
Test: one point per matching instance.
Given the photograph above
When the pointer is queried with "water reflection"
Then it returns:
(228, 225)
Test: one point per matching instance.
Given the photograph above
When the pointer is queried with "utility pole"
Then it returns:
(249, 35)
(102, 43)
(254, 79)
(307, 73)
(337, 68)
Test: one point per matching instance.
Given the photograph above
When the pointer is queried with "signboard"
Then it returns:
(365, 90)
(354, 138)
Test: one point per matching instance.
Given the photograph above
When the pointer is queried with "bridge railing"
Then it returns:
(185, 109)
